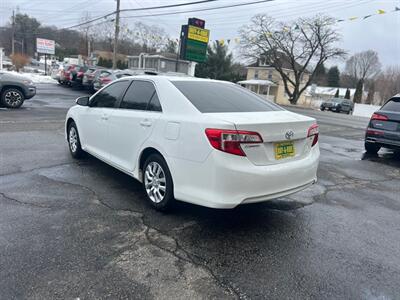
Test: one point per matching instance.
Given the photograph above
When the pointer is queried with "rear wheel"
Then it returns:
(372, 148)
(350, 112)
(157, 183)
(12, 98)
(322, 108)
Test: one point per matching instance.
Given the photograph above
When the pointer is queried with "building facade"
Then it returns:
(162, 62)
(263, 79)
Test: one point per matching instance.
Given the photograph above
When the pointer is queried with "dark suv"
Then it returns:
(338, 105)
(384, 127)
(15, 89)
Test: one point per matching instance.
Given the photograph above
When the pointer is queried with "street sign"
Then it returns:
(44, 46)
(194, 41)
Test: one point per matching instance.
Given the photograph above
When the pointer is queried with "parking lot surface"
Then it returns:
(81, 229)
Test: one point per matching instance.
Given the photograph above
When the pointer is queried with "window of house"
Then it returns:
(256, 74)
(270, 75)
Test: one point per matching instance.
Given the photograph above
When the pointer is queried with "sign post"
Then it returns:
(45, 47)
(194, 41)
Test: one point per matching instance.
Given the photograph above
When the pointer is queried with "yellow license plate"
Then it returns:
(284, 149)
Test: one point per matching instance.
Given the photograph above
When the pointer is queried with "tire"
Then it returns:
(350, 112)
(74, 143)
(12, 98)
(372, 148)
(322, 108)
(159, 189)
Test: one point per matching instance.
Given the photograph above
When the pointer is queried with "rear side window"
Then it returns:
(392, 105)
(110, 95)
(139, 96)
(217, 97)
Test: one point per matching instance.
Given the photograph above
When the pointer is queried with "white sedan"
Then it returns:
(207, 142)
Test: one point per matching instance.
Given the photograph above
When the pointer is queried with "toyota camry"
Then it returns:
(207, 142)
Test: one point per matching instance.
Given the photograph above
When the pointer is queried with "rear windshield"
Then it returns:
(217, 97)
(392, 105)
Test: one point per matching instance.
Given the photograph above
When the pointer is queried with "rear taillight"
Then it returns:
(379, 117)
(105, 80)
(229, 141)
(313, 132)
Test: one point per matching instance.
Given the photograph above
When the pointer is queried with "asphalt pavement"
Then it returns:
(81, 229)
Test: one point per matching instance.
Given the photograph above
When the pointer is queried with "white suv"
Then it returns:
(207, 142)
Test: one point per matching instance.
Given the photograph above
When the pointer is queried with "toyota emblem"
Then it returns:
(289, 134)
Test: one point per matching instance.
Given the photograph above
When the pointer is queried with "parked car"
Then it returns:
(56, 71)
(384, 127)
(202, 141)
(65, 73)
(88, 77)
(110, 75)
(101, 78)
(15, 89)
(338, 105)
(76, 75)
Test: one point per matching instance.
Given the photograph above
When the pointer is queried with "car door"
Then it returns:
(345, 105)
(94, 118)
(132, 123)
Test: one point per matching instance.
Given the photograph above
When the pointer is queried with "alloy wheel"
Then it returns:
(13, 98)
(155, 182)
(73, 139)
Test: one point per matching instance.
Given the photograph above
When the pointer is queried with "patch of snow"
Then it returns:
(35, 77)
(365, 110)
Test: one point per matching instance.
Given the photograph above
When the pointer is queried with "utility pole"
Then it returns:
(13, 33)
(114, 66)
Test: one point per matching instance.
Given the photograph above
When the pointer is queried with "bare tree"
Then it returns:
(388, 83)
(151, 37)
(302, 45)
(361, 66)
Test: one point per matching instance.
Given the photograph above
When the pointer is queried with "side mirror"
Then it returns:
(84, 101)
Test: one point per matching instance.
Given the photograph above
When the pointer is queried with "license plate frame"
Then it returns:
(284, 150)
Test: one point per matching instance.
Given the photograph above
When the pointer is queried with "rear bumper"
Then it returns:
(226, 181)
(388, 139)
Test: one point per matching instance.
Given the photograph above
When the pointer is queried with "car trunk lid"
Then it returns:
(284, 135)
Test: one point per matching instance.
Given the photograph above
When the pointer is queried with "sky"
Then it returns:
(380, 33)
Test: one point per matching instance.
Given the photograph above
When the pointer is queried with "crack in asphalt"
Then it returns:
(39, 168)
(4, 196)
(189, 257)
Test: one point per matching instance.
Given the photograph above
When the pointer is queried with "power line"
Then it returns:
(143, 8)
(197, 10)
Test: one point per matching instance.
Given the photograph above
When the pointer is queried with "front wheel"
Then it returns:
(12, 98)
(350, 112)
(157, 183)
(74, 141)
(372, 148)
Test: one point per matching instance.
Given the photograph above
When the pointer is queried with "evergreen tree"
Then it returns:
(337, 93)
(320, 75)
(218, 64)
(347, 96)
(359, 90)
(333, 77)
(371, 93)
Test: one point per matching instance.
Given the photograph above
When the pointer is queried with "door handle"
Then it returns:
(146, 123)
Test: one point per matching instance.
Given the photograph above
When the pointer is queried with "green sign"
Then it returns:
(195, 51)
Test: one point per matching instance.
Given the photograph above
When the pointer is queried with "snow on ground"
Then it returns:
(365, 110)
(35, 77)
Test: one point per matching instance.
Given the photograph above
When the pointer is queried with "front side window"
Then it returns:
(217, 97)
(141, 95)
(110, 95)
